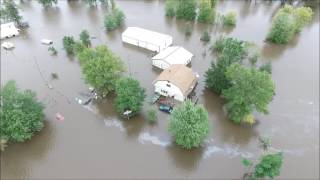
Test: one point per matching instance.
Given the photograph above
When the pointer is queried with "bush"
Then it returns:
(52, 50)
(129, 96)
(114, 19)
(230, 19)
(85, 38)
(152, 115)
(189, 125)
(250, 90)
(170, 8)
(47, 3)
(287, 22)
(186, 9)
(101, 68)
(269, 166)
(206, 12)
(266, 67)
(205, 36)
(21, 114)
(68, 44)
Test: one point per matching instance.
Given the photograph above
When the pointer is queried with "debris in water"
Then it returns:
(59, 117)
(54, 75)
(46, 41)
(114, 123)
(147, 137)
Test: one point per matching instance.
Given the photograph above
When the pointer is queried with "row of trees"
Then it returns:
(245, 89)
(287, 22)
(21, 114)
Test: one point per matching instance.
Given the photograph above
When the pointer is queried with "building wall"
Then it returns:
(142, 44)
(160, 64)
(162, 88)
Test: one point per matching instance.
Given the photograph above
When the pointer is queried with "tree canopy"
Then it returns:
(189, 124)
(129, 96)
(250, 90)
(101, 68)
(21, 114)
(68, 44)
(10, 12)
(114, 19)
(206, 11)
(186, 9)
(287, 22)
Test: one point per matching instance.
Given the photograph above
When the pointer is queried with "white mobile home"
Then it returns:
(9, 30)
(177, 81)
(172, 55)
(147, 39)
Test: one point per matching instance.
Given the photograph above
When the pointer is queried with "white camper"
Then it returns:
(177, 81)
(9, 30)
(172, 55)
(147, 39)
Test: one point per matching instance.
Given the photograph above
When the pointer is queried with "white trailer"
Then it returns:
(172, 55)
(9, 30)
(147, 39)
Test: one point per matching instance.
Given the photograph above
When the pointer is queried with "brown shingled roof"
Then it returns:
(181, 76)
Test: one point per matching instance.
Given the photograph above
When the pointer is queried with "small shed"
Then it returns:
(9, 30)
(172, 55)
(147, 39)
(177, 81)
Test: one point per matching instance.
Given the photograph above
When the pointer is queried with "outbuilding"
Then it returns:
(177, 81)
(147, 39)
(9, 30)
(172, 55)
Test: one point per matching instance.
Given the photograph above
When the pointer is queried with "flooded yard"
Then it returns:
(93, 142)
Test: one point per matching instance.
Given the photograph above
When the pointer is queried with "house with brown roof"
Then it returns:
(177, 81)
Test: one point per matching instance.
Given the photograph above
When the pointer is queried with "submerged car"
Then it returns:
(165, 108)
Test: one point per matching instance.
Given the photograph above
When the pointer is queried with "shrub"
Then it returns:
(152, 115)
(205, 36)
(68, 44)
(85, 38)
(186, 9)
(10, 12)
(206, 12)
(52, 50)
(170, 8)
(189, 125)
(267, 67)
(114, 19)
(129, 96)
(269, 166)
(101, 68)
(21, 114)
(47, 3)
(287, 22)
(230, 18)
(250, 90)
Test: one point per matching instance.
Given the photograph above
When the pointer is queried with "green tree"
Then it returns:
(114, 19)
(189, 124)
(91, 2)
(206, 12)
(170, 8)
(68, 44)
(129, 96)
(186, 9)
(101, 68)
(85, 38)
(250, 90)
(205, 36)
(230, 19)
(287, 22)
(231, 51)
(267, 67)
(47, 3)
(9, 12)
(21, 114)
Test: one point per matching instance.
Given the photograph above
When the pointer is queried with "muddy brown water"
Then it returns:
(93, 143)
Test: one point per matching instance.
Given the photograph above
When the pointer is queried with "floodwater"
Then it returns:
(92, 142)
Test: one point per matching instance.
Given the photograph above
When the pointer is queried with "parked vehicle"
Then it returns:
(165, 108)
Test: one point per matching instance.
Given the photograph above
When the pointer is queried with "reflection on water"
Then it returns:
(94, 142)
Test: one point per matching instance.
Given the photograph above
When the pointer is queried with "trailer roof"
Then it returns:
(145, 35)
(174, 55)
